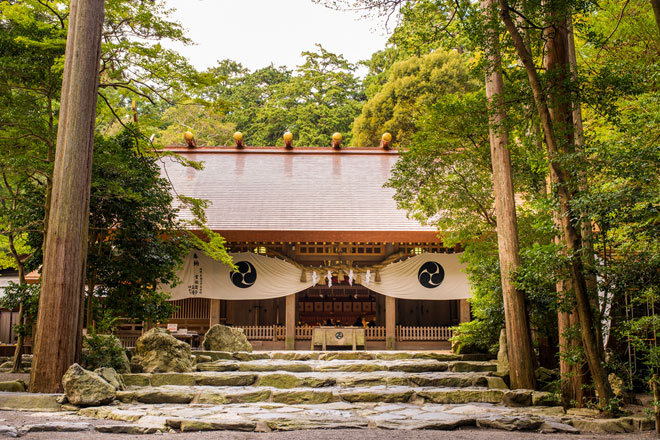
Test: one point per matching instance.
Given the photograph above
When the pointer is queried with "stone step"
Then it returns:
(270, 416)
(285, 380)
(341, 355)
(365, 366)
(219, 395)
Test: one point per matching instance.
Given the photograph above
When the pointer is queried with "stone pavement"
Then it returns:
(292, 391)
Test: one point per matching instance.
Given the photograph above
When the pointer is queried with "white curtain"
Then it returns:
(203, 277)
(424, 276)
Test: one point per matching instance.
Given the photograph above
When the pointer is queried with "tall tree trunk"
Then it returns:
(570, 235)
(57, 333)
(656, 12)
(519, 342)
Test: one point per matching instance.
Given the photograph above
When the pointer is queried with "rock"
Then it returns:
(8, 431)
(181, 379)
(509, 423)
(86, 388)
(356, 367)
(223, 338)
(377, 396)
(159, 352)
(247, 357)
(542, 398)
(221, 365)
(111, 376)
(203, 358)
(30, 402)
(225, 425)
(126, 429)
(14, 386)
(544, 375)
(517, 398)
(502, 354)
(271, 366)
(462, 396)
(603, 426)
(283, 380)
(467, 367)
(56, 427)
(301, 397)
(224, 380)
(136, 380)
(496, 383)
(164, 396)
(549, 427)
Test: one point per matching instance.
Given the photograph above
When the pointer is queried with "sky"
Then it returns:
(260, 32)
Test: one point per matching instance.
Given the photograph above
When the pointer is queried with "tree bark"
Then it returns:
(57, 333)
(519, 346)
(656, 12)
(570, 235)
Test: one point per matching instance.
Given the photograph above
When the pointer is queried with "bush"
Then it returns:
(475, 337)
(104, 351)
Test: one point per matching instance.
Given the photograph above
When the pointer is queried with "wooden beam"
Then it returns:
(390, 323)
(464, 310)
(290, 319)
(214, 317)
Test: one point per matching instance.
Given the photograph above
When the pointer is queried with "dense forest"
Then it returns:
(530, 123)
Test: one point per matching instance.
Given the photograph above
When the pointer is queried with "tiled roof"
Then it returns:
(272, 189)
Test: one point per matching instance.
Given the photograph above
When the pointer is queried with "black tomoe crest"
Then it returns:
(244, 276)
(431, 275)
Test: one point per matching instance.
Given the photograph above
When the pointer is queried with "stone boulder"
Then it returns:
(223, 338)
(159, 352)
(86, 388)
(502, 354)
(112, 377)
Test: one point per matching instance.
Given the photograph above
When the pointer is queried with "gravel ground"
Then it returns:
(18, 419)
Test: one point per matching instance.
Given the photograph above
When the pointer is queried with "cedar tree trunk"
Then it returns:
(519, 342)
(57, 333)
(570, 235)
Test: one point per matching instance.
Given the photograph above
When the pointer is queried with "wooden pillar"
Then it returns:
(214, 317)
(464, 310)
(390, 323)
(290, 320)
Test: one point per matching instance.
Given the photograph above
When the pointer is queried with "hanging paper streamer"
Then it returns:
(329, 278)
(351, 277)
(315, 279)
(367, 278)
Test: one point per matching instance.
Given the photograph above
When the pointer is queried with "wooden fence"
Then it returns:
(423, 333)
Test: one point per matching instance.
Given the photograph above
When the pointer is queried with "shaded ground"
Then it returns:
(15, 376)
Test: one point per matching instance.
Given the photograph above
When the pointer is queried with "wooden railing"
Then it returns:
(128, 340)
(374, 333)
(304, 333)
(423, 333)
(278, 333)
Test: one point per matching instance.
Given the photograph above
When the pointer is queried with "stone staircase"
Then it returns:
(318, 378)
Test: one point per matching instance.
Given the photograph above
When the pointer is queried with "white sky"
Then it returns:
(257, 33)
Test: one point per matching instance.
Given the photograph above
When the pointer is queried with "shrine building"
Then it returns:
(317, 240)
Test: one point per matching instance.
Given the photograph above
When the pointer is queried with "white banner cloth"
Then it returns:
(424, 276)
(258, 277)
(427, 276)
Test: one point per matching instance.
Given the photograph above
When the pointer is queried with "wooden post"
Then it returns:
(390, 323)
(65, 245)
(290, 320)
(214, 316)
(464, 311)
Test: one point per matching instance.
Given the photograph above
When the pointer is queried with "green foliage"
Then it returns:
(27, 294)
(103, 350)
(136, 242)
(413, 85)
(320, 97)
